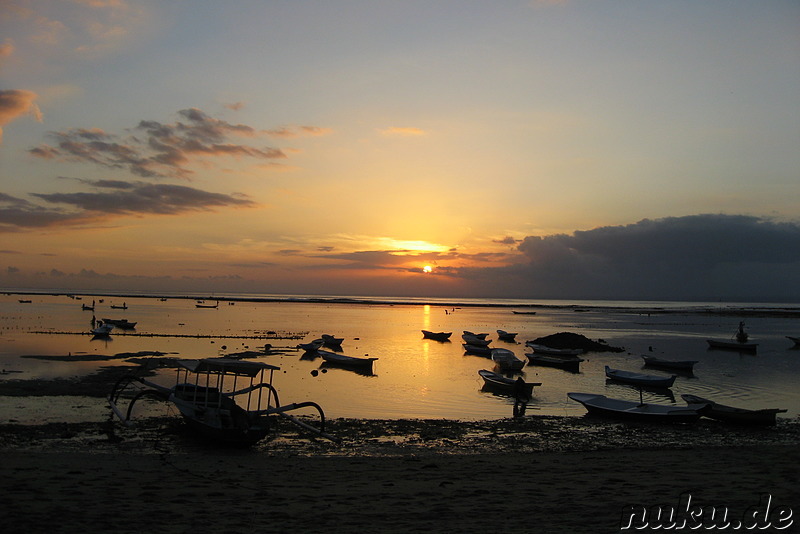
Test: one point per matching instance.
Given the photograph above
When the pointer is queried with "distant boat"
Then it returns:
(479, 336)
(543, 349)
(25, 301)
(623, 409)
(569, 363)
(684, 365)
(345, 361)
(732, 345)
(523, 312)
(472, 339)
(86, 307)
(312, 346)
(102, 329)
(506, 336)
(438, 336)
(332, 342)
(120, 323)
(508, 386)
(795, 339)
(480, 350)
(203, 305)
(730, 414)
(507, 360)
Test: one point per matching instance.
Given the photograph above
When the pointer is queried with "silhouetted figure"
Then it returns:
(520, 398)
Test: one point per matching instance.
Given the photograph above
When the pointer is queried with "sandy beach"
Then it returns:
(539, 474)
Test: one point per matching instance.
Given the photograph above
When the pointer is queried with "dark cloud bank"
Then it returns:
(700, 257)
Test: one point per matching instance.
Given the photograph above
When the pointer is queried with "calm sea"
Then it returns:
(413, 377)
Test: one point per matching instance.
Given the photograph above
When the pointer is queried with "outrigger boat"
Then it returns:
(205, 393)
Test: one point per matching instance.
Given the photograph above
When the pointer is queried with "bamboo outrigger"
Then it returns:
(207, 399)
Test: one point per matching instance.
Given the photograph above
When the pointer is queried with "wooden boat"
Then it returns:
(345, 361)
(471, 339)
(332, 342)
(506, 336)
(311, 346)
(685, 365)
(569, 363)
(507, 360)
(623, 409)
(480, 350)
(507, 386)
(732, 345)
(205, 394)
(795, 339)
(543, 349)
(204, 305)
(729, 414)
(437, 336)
(639, 379)
(479, 336)
(120, 323)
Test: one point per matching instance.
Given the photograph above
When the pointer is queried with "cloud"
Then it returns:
(118, 199)
(15, 103)
(158, 150)
(694, 257)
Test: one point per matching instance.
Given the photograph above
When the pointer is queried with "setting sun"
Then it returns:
(427, 269)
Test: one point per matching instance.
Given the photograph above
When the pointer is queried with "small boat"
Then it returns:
(480, 350)
(729, 414)
(479, 336)
(506, 336)
(472, 339)
(507, 360)
(311, 346)
(205, 394)
(86, 307)
(639, 379)
(25, 301)
(795, 339)
(120, 323)
(732, 345)
(437, 336)
(102, 329)
(515, 312)
(204, 305)
(570, 363)
(623, 409)
(508, 386)
(543, 349)
(345, 361)
(685, 365)
(332, 342)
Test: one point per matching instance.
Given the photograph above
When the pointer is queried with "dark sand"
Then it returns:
(540, 474)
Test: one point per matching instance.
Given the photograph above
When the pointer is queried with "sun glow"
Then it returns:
(427, 269)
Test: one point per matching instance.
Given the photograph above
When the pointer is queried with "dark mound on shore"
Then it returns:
(568, 340)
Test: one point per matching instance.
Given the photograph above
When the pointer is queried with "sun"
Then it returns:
(427, 269)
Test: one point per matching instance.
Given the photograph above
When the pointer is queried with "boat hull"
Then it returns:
(600, 405)
(637, 379)
(730, 414)
(732, 345)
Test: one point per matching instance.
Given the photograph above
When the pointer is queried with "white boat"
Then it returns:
(683, 365)
(506, 336)
(623, 409)
(205, 394)
(508, 386)
(639, 379)
(507, 360)
(474, 340)
(544, 349)
(346, 361)
(102, 329)
(729, 414)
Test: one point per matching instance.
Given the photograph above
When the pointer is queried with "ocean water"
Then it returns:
(413, 377)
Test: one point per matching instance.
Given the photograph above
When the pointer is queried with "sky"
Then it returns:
(452, 148)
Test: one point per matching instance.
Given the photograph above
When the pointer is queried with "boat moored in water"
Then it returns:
(507, 386)
(684, 365)
(507, 360)
(639, 379)
(729, 414)
(623, 409)
(437, 336)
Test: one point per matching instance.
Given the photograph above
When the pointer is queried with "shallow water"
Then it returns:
(413, 377)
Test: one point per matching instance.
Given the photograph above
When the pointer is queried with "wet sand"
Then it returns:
(539, 474)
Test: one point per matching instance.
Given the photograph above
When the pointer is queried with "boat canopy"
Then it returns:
(226, 366)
